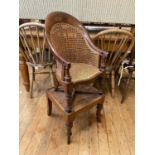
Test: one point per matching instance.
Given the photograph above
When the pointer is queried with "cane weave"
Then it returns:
(81, 72)
(71, 45)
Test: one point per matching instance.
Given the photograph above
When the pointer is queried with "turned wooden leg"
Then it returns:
(31, 88)
(68, 93)
(98, 112)
(33, 72)
(69, 102)
(49, 107)
(113, 83)
(24, 72)
(69, 126)
(31, 82)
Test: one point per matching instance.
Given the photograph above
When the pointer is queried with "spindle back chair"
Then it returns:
(118, 43)
(35, 49)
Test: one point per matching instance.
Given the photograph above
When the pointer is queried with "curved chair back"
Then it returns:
(67, 38)
(117, 42)
(34, 44)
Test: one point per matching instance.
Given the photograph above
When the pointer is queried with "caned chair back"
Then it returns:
(34, 44)
(117, 42)
(68, 37)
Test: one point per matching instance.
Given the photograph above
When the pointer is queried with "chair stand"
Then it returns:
(81, 103)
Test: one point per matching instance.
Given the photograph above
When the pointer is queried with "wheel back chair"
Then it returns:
(78, 61)
(35, 49)
(118, 43)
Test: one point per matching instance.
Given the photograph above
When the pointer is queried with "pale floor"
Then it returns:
(44, 135)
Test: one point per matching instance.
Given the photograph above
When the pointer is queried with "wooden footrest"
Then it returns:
(81, 101)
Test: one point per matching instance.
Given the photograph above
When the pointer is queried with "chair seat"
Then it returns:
(41, 60)
(81, 72)
(40, 66)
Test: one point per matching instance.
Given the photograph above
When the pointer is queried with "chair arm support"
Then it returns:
(66, 76)
(66, 65)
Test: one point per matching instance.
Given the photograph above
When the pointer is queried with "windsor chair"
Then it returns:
(78, 62)
(35, 49)
(118, 43)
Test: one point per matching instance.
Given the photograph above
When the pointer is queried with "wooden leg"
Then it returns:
(113, 83)
(69, 102)
(69, 125)
(49, 107)
(24, 72)
(68, 92)
(31, 87)
(33, 73)
(98, 112)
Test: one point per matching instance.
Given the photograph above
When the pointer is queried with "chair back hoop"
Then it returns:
(117, 42)
(69, 39)
(34, 45)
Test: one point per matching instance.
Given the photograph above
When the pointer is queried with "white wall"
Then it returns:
(111, 11)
